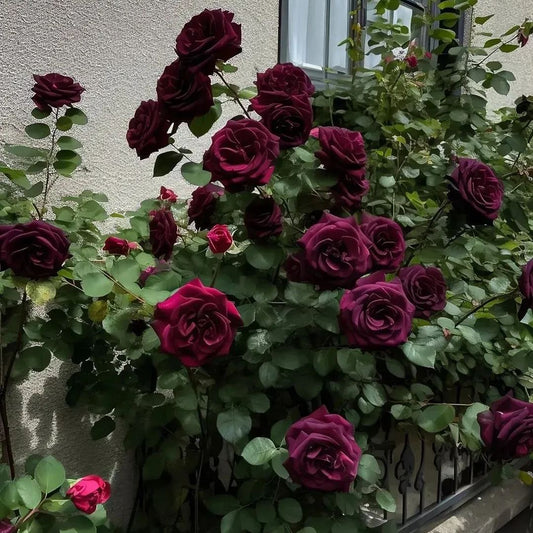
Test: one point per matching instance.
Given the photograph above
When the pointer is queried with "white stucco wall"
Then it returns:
(116, 49)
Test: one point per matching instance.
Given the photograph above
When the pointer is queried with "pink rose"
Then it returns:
(88, 492)
(167, 195)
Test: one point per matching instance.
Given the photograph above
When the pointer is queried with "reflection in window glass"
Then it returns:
(338, 31)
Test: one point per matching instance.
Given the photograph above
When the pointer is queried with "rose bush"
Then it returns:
(323, 288)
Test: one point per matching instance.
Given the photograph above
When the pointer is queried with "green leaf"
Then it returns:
(76, 115)
(96, 284)
(386, 500)
(345, 524)
(482, 20)
(230, 523)
(65, 167)
(36, 357)
(277, 463)
(369, 469)
(435, 418)
(234, 424)
(37, 130)
(153, 466)
(201, 125)
(64, 123)
(166, 162)
(50, 474)
(420, 354)
(268, 374)
(401, 412)
(40, 292)
(290, 358)
(126, 271)
(29, 491)
(263, 256)
(77, 524)
(195, 174)
(35, 168)
(259, 451)
(68, 143)
(35, 189)
(221, 504)
(470, 425)
(24, 151)
(18, 177)
(387, 181)
(102, 428)
(37, 113)
(290, 510)
(442, 34)
(258, 402)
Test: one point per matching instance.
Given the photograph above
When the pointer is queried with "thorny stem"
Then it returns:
(235, 95)
(483, 304)
(48, 170)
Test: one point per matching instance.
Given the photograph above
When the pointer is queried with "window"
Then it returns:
(311, 30)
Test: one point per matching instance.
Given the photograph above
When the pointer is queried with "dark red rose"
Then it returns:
(88, 492)
(425, 288)
(335, 254)
(202, 205)
(242, 154)
(148, 129)
(507, 428)
(323, 454)
(163, 233)
(412, 61)
(6, 526)
(196, 324)
(376, 314)
(55, 90)
(388, 245)
(288, 117)
(33, 249)
(341, 149)
(219, 239)
(207, 38)
(350, 189)
(117, 246)
(476, 191)
(284, 79)
(525, 284)
(263, 219)
(183, 94)
(167, 195)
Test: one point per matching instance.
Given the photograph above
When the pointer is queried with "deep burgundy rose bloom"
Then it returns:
(335, 254)
(55, 90)
(476, 191)
(163, 233)
(196, 324)
(412, 61)
(202, 205)
(242, 154)
(341, 149)
(6, 526)
(351, 189)
(117, 246)
(183, 94)
(288, 117)
(507, 428)
(263, 219)
(323, 454)
(207, 38)
(33, 249)
(376, 314)
(388, 245)
(284, 79)
(425, 288)
(167, 195)
(148, 129)
(88, 492)
(219, 239)
(525, 284)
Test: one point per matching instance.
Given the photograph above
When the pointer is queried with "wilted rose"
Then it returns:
(202, 205)
(55, 90)
(507, 428)
(33, 249)
(167, 195)
(148, 129)
(242, 154)
(163, 233)
(207, 38)
(196, 324)
(88, 492)
(219, 239)
(376, 314)
(323, 454)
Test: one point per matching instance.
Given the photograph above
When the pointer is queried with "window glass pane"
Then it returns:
(338, 31)
(371, 60)
(403, 16)
(306, 33)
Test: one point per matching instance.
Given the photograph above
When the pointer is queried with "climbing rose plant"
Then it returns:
(353, 259)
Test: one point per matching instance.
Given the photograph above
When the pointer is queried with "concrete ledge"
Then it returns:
(489, 511)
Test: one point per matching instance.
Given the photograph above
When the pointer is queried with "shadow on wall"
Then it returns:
(42, 423)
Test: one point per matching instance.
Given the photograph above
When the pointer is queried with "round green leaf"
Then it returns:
(195, 174)
(77, 524)
(37, 130)
(369, 469)
(259, 451)
(36, 357)
(76, 115)
(64, 123)
(37, 113)
(436, 417)
(166, 162)
(263, 257)
(95, 284)
(40, 292)
(385, 500)
(102, 428)
(29, 491)
(234, 424)
(68, 143)
(290, 510)
(50, 474)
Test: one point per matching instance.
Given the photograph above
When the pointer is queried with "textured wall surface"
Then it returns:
(116, 49)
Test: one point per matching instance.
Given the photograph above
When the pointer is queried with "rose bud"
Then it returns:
(163, 233)
(219, 239)
(117, 246)
(202, 205)
(55, 90)
(196, 324)
(167, 195)
(148, 129)
(412, 61)
(323, 454)
(33, 249)
(263, 219)
(88, 492)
